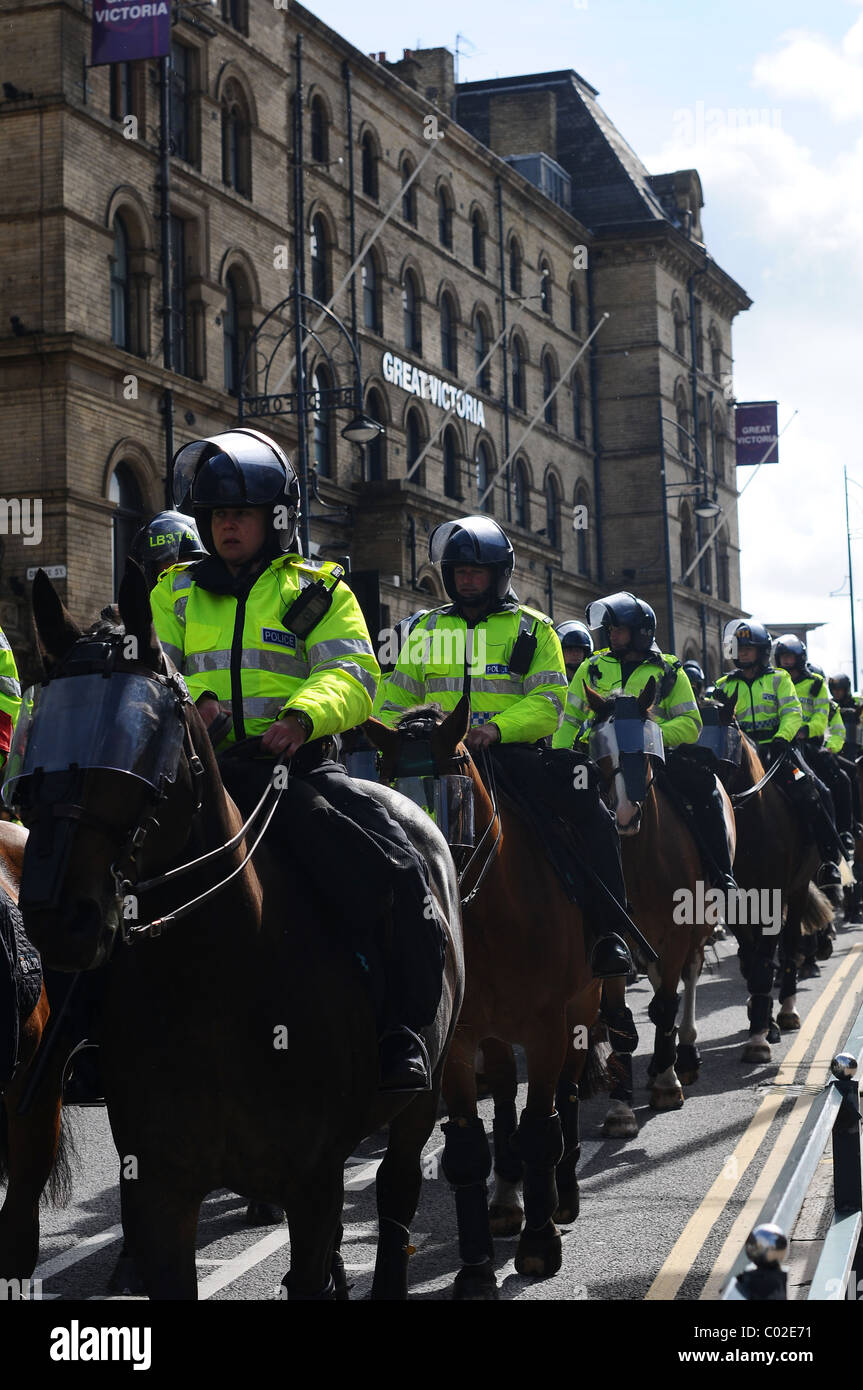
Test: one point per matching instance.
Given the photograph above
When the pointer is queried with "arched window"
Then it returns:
(522, 494)
(545, 287)
(448, 334)
(679, 327)
(322, 417)
(450, 463)
(121, 327)
(375, 451)
(236, 140)
(477, 229)
(687, 543)
(414, 441)
(552, 511)
(518, 387)
(319, 251)
(236, 13)
(409, 195)
(371, 293)
(411, 312)
(484, 475)
(319, 131)
(129, 517)
(582, 549)
(482, 369)
(574, 310)
(444, 216)
(514, 266)
(549, 381)
(577, 407)
(705, 571)
(369, 157)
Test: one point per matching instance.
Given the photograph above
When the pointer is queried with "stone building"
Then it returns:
(518, 217)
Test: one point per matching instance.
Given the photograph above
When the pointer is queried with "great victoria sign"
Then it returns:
(431, 388)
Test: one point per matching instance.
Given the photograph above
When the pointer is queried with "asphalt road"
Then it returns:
(645, 1229)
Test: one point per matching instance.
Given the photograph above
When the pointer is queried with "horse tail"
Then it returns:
(817, 913)
(596, 1076)
(58, 1188)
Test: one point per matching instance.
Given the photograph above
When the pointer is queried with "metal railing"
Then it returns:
(758, 1272)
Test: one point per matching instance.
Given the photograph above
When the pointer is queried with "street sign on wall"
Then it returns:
(756, 433)
(123, 32)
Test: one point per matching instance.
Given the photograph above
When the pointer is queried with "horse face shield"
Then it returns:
(725, 741)
(628, 739)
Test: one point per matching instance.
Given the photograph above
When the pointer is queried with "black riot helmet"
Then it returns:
(840, 686)
(574, 634)
(168, 538)
(742, 632)
(472, 540)
(695, 674)
(623, 610)
(789, 645)
(241, 468)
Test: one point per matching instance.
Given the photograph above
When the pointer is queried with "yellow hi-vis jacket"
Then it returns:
(767, 708)
(10, 695)
(814, 699)
(835, 730)
(243, 652)
(441, 656)
(674, 707)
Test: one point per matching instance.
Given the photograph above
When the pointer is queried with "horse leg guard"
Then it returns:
(662, 1013)
(760, 1017)
(567, 1103)
(506, 1162)
(391, 1262)
(466, 1164)
(622, 1032)
(540, 1143)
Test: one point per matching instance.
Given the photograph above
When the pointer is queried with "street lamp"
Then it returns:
(362, 429)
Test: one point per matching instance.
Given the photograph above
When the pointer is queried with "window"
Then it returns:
(319, 249)
(236, 141)
(450, 463)
(128, 519)
(552, 511)
(411, 313)
(683, 430)
(319, 131)
(699, 336)
(375, 458)
(482, 369)
(235, 13)
(545, 287)
(180, 338)
(679, 327)
(121, 332)
(371, 294)
(448, 336)
(518, 390)
(705, 571)
(577, 407)
(181, 101)
(703, 457)
(549, 381)
(414, 441)
(582, 553)
(574, 310)
(122, 102)
(409, 195)
(444, 217)
(715, 355)
(477, 229)
(522, 498)
(484, 475)
(719, 448)
(514, 266)
(369, 165)
(321, 416)
(230, 329)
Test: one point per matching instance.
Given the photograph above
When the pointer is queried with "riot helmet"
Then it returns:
(695, 674)
(472, 540)
(789, 645)
(167, 539)
(840, 686)
(742, 632)
(623, 610)
(241, 468)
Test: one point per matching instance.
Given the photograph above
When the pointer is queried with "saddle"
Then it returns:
(20, 983)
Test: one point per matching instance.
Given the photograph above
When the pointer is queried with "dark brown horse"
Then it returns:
(527, 982)
(661, 865)
(239, 1045)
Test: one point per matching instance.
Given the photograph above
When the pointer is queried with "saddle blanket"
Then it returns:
(20, 983)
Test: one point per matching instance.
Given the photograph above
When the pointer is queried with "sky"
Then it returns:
(783, 215)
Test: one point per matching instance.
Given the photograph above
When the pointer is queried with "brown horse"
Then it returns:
(527, 982)
(239, 1044)
(33, 1147)
(661, 860)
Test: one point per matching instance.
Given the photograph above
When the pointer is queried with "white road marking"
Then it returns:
(80, 1251)
(241, 1264)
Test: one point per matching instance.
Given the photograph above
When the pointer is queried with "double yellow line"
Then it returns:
(688, 1246)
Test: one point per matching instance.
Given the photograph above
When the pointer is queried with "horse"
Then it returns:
(35, 1147)
(527, 981)
(238, 1037)
(773, 855)
(661, 860)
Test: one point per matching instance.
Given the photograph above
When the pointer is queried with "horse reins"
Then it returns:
(490, 783)
(737, 798)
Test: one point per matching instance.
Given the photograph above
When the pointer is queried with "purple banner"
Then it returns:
(124, 32)
(756, 431)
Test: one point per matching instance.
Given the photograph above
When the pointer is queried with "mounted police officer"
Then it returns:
(577, 645)
(627, 659)
(769, 710)
(10, 697)
(696, 679)
(507, 658)
(273, 645)
(850, 708)
(169, 538)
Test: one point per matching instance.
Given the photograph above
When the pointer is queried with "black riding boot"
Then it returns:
(609, 956)
(710, 824)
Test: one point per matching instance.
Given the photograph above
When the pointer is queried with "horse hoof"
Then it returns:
(264, 1214)
(809, 970)
(757, 1052)
(475, 1284)
(773, 1033)
(620, 1126)
(568, 1207)
(505, 1221)
(789, 1022)
(126, 1279)
(666, 1100)
(540, 1253)
(688, 1078)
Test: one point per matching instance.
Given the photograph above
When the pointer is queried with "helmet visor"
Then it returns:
(238, 476)
(473, 540)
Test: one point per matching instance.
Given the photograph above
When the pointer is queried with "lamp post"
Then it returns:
(851, 583)
(705, 508)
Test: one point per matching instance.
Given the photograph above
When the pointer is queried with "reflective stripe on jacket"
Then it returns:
(432, 666)
(675, 708)
(242, 650)
(768, 707)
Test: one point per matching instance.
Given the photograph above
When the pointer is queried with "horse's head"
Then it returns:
(103, 770)
(622, 740)
(425, 747)
(721, 733)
